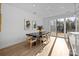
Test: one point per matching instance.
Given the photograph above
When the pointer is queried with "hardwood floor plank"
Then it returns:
(47, 48)
(22, 49)
(60, 48)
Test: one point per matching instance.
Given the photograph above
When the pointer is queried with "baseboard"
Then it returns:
(11, 45)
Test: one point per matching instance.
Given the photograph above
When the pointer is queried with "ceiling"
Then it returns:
(46, 9)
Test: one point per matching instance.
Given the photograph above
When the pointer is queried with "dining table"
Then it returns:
(37, 34)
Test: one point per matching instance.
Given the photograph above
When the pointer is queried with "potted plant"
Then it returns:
(39, 28)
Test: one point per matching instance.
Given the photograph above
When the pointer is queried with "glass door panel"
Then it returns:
(70, 24)
(60, 27)
(78, 24)
(53, 27)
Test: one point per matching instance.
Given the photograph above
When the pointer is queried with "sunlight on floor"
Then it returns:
(60, 48)
(47, 48)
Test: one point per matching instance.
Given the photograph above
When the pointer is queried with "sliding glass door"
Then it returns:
(53, 27)
(78, 24)
(60, 27)
(65, 25)
(70, 24)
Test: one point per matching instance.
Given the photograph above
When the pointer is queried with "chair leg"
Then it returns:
(40, 41)
(30, 44)
(36, 43)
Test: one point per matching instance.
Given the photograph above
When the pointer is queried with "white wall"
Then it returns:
(46, 24)
(13, 25)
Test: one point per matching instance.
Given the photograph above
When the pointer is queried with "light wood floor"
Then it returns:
(47, 49)
(21, 49)
(60, 34)
(60, 48)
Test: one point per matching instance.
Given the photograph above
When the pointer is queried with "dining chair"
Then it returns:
(46, 37)
(43, 39)
(32, 40)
